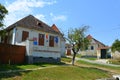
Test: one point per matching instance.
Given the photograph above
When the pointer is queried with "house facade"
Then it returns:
(43, 43)
(95, 48)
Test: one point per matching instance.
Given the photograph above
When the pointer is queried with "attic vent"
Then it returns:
(39, 24)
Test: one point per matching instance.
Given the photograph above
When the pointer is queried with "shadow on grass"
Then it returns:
(8, 71)
(12, 74)
(48, 64)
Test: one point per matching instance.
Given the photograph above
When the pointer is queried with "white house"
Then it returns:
(43, 42)
(96, 48)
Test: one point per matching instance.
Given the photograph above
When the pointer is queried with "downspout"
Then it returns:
(14, 36)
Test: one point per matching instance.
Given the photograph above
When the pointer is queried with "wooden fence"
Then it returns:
(12, 54)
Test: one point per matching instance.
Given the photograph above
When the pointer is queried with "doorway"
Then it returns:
(103, 53)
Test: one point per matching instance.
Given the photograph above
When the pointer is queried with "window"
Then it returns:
(56, 41)
(51, 41)
(41, 39)
(25, 35)
(92, 47)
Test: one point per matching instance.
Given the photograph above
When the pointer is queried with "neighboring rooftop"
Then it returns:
(96, 41)
(54, 27)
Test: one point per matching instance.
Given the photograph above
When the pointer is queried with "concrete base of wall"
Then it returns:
(29, 59)
(48, 60)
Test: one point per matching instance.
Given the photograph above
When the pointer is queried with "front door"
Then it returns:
(103, 53)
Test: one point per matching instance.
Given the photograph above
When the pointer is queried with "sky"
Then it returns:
(102, 16)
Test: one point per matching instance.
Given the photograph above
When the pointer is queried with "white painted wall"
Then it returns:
(90, 52)
(34, 33)
(63, 48)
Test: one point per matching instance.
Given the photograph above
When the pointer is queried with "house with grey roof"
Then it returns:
(43, 42)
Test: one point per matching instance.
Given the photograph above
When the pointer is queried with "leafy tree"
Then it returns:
(116, 46)
(3, 12)
(78, 40)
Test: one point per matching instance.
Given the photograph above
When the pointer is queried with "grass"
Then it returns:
(100, 66)
(26, 66)
(78, 55)
(83, 71)
(94, 65)
(58, 73)
(91, 58)
(66, 59)
(113, 61)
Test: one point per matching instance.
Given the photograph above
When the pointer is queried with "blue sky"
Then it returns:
(103, 16)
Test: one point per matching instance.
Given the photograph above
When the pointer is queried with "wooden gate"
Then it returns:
(103, 53)
(12, 54)
(68, 51)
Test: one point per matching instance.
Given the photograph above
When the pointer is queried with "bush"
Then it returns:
(113, 61)
(116, 56)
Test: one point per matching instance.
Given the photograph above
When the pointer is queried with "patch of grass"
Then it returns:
(59, 73)
(91, 58)
(66, 59)
(78, 55)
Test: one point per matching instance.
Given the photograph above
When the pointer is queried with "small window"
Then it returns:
(25, 35)
(41, 39)
(92, 47)
(39, 24)
(51, 41)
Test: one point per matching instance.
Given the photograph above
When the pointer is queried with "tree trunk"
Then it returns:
(73, 59)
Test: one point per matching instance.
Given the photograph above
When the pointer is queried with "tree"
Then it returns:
(116, 46)
(78, 40)
(3, 12)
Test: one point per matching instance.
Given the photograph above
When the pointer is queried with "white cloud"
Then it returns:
(26, 5)
(20, 8)
(40, 17)
(58, 17)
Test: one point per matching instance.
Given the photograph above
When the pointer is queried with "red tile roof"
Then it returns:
(54, 27)
(96, 41)
(89, 37)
